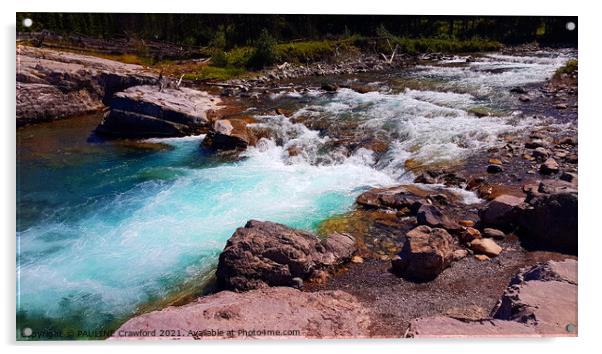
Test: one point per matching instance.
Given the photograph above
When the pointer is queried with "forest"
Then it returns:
(244, 29)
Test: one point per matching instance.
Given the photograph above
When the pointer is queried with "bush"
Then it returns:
(568, 68)
(265, 51)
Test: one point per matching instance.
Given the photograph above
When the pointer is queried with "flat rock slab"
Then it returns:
(447, 327)
(255, 314)
(147, 111)
(545, 297)
(53, 84)
(540, 301)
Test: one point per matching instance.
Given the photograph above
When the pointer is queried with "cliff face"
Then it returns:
(52, 85)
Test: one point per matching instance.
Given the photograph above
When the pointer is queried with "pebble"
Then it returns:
(494, 169)
(357, 259)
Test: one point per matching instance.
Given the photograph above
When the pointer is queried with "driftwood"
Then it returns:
(393, 52)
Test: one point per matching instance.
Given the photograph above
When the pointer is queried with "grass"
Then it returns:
(216, 73)
(238, 62)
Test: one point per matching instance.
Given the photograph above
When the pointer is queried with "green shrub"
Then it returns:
(240, 56)
(265, 51)
(219, 58)
(568, 68)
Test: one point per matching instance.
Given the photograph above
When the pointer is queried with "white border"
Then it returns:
(590, 122)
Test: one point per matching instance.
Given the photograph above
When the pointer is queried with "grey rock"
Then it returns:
(53, 85)
(148, 111)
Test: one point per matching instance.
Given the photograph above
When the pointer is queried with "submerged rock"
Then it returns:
(262, 254)
(329, 87)
(256, 314)
(425, 254)
(146, 111)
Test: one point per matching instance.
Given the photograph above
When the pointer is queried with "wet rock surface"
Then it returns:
(257, 314)
(53, 85)
(262, 254)
(229, 134)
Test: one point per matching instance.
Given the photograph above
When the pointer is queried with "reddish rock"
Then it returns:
(265, 254)
(396, 198)
(55, 84)
(550, 166)
(447, 327)
(430, 215)
(500, 211)
(469, 234)
(229, 134)
(425, 254)
(493, 233)
(250, 315)
(541, 301)
(543, 298)
(486, 246)
(466, 223)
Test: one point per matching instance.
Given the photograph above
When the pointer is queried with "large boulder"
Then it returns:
(53, 84)
(425, 254)
(229, 134)
(263, 313)
(262, 254)
(550, 222)
(500, 212)
(148, 111)
(544, 297)
(394, 198)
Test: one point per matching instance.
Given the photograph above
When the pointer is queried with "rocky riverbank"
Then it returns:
(53, 85)
(416, 259)
(423, 262)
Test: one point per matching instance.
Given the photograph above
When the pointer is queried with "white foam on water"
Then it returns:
(491, 73)
(166, 233)
(425, 126)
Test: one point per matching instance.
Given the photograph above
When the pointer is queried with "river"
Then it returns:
(104, 228)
